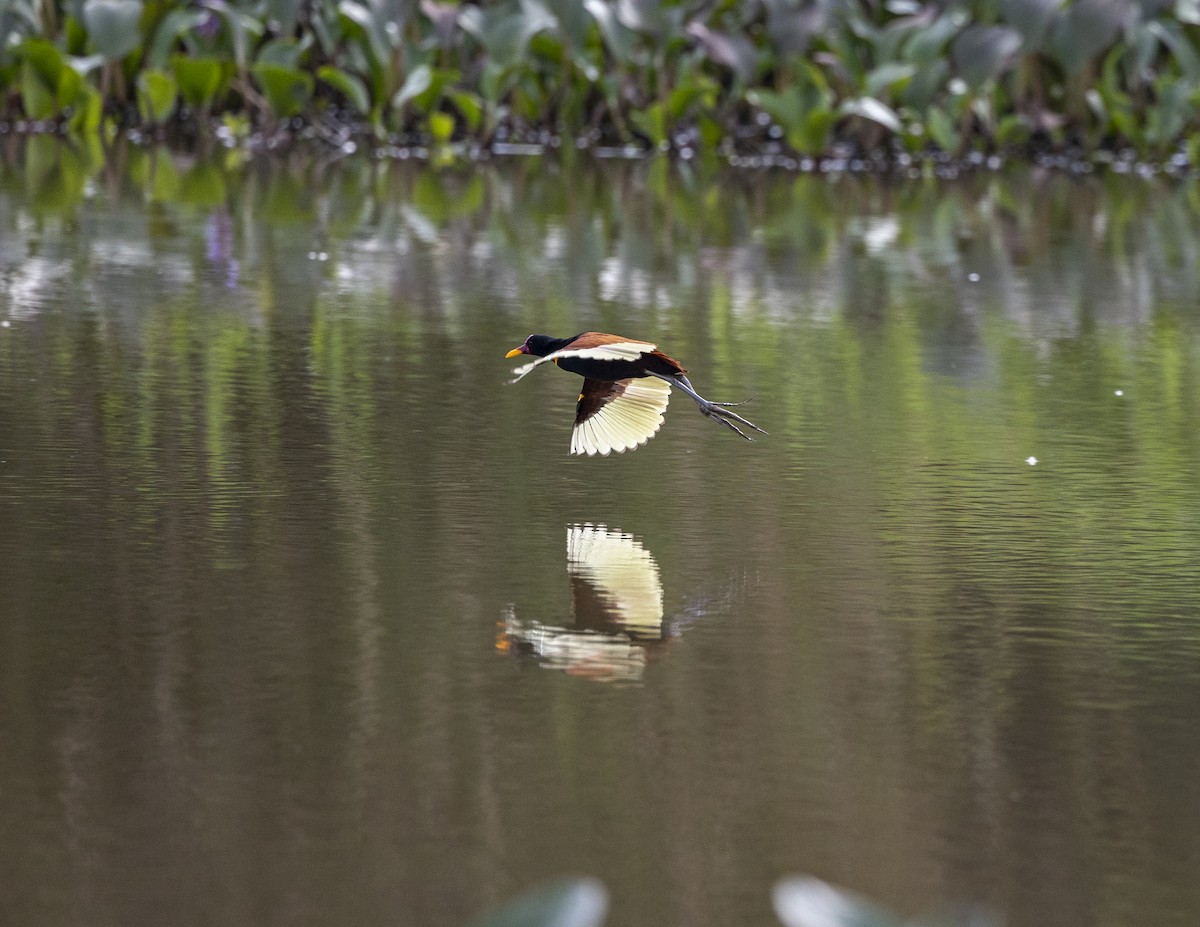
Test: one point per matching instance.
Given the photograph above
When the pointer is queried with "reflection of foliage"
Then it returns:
(663, 72)
(305, 481)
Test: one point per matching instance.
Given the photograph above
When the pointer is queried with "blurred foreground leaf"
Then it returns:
(802, 901)
(579, 902)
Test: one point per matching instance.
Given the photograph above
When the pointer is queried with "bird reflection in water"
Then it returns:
(617, 600)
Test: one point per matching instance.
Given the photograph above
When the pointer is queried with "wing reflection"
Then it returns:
(614, 582)
(617, 600)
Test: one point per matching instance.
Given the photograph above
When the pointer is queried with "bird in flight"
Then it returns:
(626, 385)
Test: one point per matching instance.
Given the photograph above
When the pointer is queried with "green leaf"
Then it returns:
(564, 903)
(503, 32)
(1166, 120)
(1032, 18)
(288, 90)
(791, 26)
(349, 86)
(170, 28)
(1193, 149)
(45, 58)
(418, 81)
(85, 65)
(650, 17)
(873, 110)
(886, 75)
(1173, 36)
(786, 108)
(682, 98)
(469, 106)
(114, 26)
(710, 131)
(814, 134)
(943, 130)
(373, 28)
(284, 52)
(441, 126)
(199, 79)
(981, 53)
(245, 30)
(284, 12)
(928, 45)
(652, 123)
(427, 100)
(730, 50)
(926, 84)
(156, 93)
(87, 111)
(38, 97)
(802, 111)
(494, 82)
(572, 19)
(1012, 130)
(1086, 29)
(51, 83)
(71, 89)
(618, 39)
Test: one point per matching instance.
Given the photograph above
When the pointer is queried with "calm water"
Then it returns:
(307, 618)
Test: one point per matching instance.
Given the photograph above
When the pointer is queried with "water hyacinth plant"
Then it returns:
(801, 76)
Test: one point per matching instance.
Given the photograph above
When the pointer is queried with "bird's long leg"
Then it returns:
(717, 411)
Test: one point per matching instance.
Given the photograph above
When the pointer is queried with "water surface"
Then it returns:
(309, 618)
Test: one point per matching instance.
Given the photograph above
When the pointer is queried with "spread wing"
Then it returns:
(593, 345)
(614, 581)
(618, 415)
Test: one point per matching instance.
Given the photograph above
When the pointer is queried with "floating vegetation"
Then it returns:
(779, 82)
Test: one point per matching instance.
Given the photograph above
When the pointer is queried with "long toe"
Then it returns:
(722, 416)
(728, 404)
(732, 427)
(726, 414)
(720, 412)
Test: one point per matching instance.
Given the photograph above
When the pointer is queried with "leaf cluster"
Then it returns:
(804, 76)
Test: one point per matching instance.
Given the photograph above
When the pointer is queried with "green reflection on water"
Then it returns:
(266, 497)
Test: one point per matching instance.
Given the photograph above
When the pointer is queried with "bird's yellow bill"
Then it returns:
(515, 352)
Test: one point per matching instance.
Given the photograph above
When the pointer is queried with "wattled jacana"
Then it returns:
(626, 385)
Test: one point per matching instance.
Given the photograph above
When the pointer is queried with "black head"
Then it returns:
(540, 345)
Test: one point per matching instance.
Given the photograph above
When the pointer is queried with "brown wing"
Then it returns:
(663, 363)
(596, 339)
(656, 360)
(617, 415)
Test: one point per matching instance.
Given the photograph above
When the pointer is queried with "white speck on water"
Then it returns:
(974, 278)
(1032, 461)
(5, 324)
(1118, 392)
